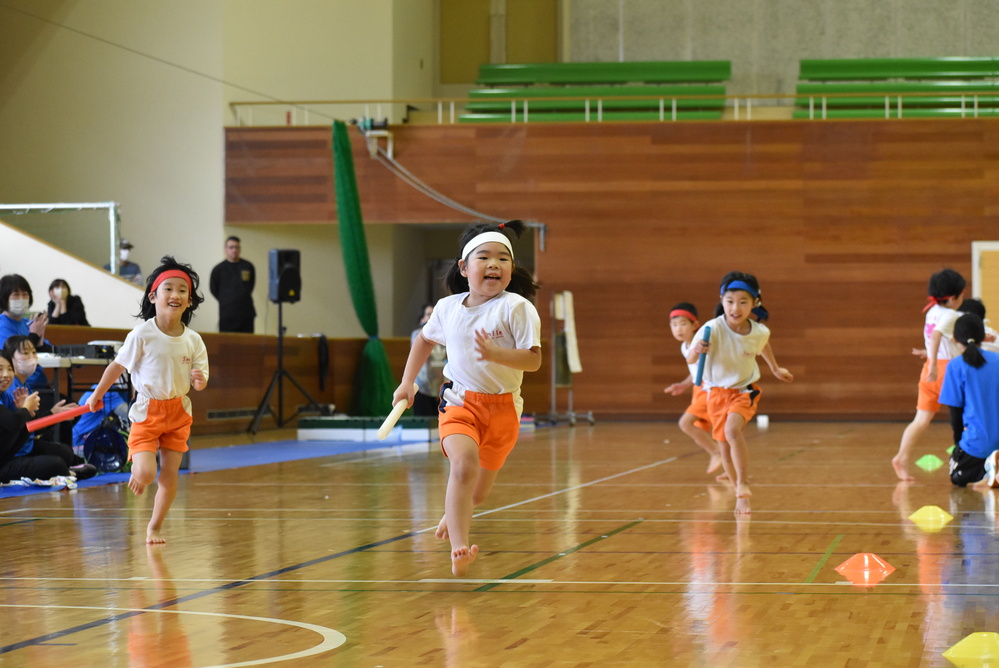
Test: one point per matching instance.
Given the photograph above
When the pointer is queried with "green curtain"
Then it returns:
(374, 383)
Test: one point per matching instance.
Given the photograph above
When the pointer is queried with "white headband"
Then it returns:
(485, 238)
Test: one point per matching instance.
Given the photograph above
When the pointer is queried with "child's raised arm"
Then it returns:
(110, 377)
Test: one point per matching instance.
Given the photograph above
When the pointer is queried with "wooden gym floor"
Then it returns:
(601, 546)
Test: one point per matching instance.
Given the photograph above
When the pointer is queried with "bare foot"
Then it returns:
(462, 558)
(441, 532)
(743, 492)
(153, 537)
(714, 464)
(136, 488)
(901, 470)
(723, 478)
(742, 505)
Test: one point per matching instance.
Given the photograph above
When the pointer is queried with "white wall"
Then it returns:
(126, 101)
(118, 100)
(110, 301)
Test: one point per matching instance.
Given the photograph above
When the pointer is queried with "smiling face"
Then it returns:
(738, 304)
(6, 374)
(172, 297)
(488, 269)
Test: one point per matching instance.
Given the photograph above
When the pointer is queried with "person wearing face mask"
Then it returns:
(16, 299)
(65, 308)
(127, 269)
(38, 457)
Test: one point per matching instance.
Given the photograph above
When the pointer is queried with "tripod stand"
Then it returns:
(276, 382)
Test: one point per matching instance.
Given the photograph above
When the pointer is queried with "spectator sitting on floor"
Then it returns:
(65, 308)
(21, 454)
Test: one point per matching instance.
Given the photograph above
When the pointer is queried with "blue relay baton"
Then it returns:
(702, 358)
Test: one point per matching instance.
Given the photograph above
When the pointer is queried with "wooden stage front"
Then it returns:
(602, 545)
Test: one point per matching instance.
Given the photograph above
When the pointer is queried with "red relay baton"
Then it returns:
(48, 420)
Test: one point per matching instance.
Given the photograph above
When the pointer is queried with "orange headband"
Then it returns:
(172, 273)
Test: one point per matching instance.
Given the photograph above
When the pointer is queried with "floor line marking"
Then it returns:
(822, 561)
(580, 486)
(207, 592)
(555, 557)
(331, 637)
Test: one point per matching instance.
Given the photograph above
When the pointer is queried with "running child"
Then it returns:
(971, 389)
(944, 290)
(695, 422)
(165, 359)
(731, 372)
(492, 335)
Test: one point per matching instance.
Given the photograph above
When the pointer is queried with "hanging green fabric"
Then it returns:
(374, 382)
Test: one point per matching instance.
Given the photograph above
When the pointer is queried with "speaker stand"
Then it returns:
(276, 383)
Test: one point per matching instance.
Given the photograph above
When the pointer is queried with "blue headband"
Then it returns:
(741, 285)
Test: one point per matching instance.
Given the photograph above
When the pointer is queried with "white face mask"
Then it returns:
(25, 368)
(18, 306)
(123, 254)
(60, 293)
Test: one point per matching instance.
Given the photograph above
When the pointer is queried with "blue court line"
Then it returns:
(556, 557)
(191, 597)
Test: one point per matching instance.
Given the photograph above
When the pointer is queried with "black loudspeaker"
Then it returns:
(285, 276)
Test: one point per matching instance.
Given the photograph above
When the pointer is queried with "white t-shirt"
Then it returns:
(942, 318)
(160, 365)
(731, 361)
(512, 322)
(684, 350)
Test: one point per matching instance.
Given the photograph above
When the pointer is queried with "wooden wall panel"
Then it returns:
(843, 223)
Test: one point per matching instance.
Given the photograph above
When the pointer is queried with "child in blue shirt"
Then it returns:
(971, 386)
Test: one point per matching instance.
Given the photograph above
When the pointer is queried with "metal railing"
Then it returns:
(114, 218)
(448, 111)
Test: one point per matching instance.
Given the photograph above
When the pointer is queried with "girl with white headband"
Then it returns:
(165, 358)
(731, 372)
(492, 334)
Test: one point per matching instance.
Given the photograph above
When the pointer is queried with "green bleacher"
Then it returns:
(897, 87)
(619, 91)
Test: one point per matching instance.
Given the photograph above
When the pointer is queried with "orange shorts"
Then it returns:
(699, 409)
(723, 401)
(488, 419)
(929, 392)
(167, 425)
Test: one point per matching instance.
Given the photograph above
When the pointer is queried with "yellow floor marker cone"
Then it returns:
(929, 462)
(931, 518)
(978, 649)
(865, 569)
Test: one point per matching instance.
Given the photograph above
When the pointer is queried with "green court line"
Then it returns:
(822, 562)
(555, 557)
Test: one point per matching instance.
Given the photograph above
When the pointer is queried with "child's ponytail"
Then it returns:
(969, 331)
(521, 282)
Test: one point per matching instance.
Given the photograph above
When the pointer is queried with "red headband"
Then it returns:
(172, 273)
(677, 312)
(934, 301)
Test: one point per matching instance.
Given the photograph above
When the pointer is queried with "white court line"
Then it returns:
(331, 638)
(481, 581)
(535, 520)
(511, 581)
